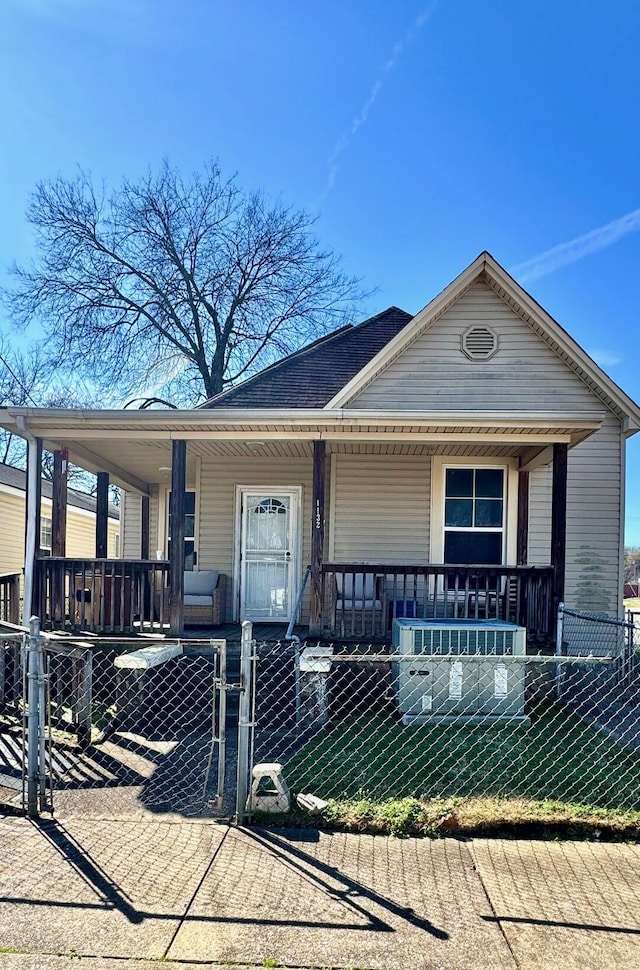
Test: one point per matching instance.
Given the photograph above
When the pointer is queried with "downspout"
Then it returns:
(32, 525)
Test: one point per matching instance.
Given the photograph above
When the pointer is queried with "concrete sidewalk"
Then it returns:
(127, 893)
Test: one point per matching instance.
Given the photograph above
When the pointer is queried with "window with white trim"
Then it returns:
(46, 533)
(474, 515)
(190, 554)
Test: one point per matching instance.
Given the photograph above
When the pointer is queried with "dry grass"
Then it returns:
(467, 818)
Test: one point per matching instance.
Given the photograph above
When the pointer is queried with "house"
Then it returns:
(467, 462)
(80, 526)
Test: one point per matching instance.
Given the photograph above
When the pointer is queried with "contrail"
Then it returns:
(363, 114)
(578, 248)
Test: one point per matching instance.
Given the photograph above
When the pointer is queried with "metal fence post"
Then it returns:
(34, 674)
(245, 721)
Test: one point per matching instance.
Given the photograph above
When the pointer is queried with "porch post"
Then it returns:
(559, 521)
(144, 535)
(59, 504)
(523, 519)
(317, 536)
(102, 514)
(32, 525)
(176, 536)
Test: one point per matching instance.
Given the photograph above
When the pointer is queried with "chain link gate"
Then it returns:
(97, 726)
(13, 746)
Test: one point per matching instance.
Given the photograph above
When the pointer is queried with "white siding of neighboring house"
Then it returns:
(12, 524)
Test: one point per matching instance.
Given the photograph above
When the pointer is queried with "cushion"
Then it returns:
(347, 605)
(191, 600)
(200, 583)
(353, 585)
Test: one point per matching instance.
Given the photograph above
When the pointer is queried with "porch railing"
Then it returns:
(362, 599)
(10, 597)
(102, 595)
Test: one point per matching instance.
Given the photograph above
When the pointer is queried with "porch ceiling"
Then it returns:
(135, 447)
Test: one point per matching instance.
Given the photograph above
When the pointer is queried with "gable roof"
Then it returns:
(486, 269)
(17, 478)
(310, 377)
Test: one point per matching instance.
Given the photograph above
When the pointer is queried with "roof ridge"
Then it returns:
(324, 339)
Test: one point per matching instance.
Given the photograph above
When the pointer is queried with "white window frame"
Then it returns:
(439, 466)
(196, 525)
(44, 518)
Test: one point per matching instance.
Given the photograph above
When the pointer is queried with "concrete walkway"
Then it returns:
(102, 893)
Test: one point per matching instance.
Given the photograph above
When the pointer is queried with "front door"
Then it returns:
(268, 553)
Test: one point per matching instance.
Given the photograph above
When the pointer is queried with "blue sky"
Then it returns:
(419, 133)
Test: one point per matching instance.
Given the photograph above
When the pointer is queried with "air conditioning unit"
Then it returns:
(447, 669)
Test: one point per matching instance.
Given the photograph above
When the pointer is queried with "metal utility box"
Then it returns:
(450, 669)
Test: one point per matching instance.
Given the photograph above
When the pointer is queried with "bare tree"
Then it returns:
(180, 284)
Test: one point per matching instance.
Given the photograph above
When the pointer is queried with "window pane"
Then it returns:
(458, 512)
(190, 503)
(189, 525)
(459, 482)
(489, 483)
(473, 547)
(488, 513)
(189, 556)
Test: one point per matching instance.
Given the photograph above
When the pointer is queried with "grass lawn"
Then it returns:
(560, 758)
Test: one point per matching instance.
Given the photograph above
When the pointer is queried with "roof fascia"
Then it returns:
(485, 263)
(564, 340)
(56, 424)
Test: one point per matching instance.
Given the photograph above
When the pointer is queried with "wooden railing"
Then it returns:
(362, 599)
(102, 595)
(10, 597)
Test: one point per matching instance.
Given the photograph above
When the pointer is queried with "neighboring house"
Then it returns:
(81, 521)
(468, 461)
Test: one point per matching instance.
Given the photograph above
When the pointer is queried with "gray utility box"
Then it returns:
(451, 669)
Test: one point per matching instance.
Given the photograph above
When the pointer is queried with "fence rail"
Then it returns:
(362, 600)
(102, 595)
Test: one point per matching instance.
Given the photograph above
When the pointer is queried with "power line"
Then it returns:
(17, 380)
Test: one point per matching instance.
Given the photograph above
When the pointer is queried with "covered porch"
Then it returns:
(176, 463)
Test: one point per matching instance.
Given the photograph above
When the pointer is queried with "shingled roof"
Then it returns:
(310, 377)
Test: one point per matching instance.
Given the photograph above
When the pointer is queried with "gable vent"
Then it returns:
(479, 343)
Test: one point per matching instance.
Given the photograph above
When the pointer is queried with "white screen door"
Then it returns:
(268, 554)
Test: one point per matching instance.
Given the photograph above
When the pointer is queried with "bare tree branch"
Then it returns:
(188, 283)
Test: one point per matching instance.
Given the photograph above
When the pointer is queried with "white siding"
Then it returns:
(540, 516)
(594, 480)
(433, 372)
(380, 508)
(594, 540)
(132, 526)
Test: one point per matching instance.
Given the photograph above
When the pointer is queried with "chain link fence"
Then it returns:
(94, 726)
(450, 715)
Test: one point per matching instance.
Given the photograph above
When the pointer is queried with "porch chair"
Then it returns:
(204, 597)
(359, 604)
